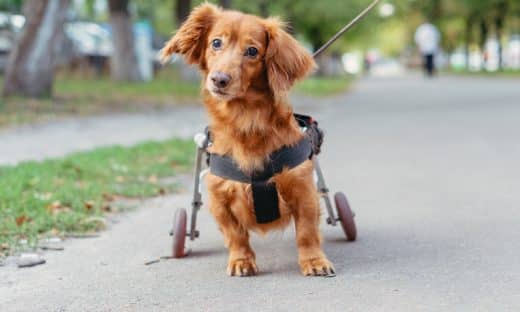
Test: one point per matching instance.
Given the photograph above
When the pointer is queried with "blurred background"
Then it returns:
(88, 42)
(419, 102)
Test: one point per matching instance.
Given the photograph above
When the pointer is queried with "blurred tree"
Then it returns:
(182, 10)
(160, 13)
(30, 68)
(123, 60)
(226, 4)
(501, 8)
(13, 6)
(90, 9)
(263, 8)
(317, 21)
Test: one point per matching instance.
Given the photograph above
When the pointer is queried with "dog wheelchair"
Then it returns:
(343, 214)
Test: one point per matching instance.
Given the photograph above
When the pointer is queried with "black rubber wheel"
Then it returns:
(179, 233)
(346, 217)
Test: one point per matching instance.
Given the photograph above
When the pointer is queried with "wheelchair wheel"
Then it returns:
(179, 233)
(346, 217)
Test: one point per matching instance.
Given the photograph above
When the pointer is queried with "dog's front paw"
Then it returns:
(242, 267)
(317, 267)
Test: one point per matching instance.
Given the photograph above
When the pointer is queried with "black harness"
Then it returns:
(265, 194)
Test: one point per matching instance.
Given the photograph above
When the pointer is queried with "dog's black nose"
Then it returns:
(220, 80)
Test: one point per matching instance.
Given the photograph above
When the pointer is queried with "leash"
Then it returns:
(345, 28)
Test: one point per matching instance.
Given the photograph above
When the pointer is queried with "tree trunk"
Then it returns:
(263, 7)
(502, 8)
(30, 68)
(499, 25)
(436, 11)
(226, 4)
(482, 40)
(123, 63)
(469, 35)
(182, 11)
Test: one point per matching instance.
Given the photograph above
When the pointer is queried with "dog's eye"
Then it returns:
(216, 44)
(251, 52)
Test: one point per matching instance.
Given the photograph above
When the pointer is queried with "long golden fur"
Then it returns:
(249, 119)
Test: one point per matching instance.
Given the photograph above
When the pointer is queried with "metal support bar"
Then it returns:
(324, 191)
(197, 196)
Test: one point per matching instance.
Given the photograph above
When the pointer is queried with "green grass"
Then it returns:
(323, 86)
(69, 195)
(167, 85)
(75, 96)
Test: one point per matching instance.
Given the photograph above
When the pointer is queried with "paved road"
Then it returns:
(58, 138)
(432, 171)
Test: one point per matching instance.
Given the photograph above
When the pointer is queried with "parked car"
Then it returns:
(10, 25)
(86, 45)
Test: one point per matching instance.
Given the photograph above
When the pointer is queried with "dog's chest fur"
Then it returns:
(249, 133)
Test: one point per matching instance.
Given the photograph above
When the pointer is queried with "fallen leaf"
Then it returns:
(106, 208)
(55, 207)
(152, 179)
(162, 191)
(89, 205)
(22, 219)
(4, 246)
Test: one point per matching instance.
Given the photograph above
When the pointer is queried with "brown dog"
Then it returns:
(248, 65)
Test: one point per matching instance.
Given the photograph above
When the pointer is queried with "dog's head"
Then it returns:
(239, 52)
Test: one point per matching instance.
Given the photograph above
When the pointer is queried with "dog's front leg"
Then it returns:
(241, 256)
(311, 258)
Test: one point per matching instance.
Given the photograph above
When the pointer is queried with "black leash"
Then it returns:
(344, 29)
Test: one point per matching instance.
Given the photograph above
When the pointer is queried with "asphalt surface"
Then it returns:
(58, 138)
(431, 169)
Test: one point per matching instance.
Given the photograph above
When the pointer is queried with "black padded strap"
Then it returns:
(225, 167)
(265, 195)
(265, 202)
(290, 157)
(286, 157)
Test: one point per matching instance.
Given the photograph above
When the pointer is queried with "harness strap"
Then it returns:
(265, 194)
(286, 157)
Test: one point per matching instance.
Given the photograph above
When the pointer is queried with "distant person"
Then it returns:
(427, 38)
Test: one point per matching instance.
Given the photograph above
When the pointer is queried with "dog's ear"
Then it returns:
(286, 60)
(190, 39)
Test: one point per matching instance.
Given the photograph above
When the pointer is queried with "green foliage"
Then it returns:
(321, 86)
(166, 84)
(62, 195)
(13, 6)
(316, 21)
(160, 13)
